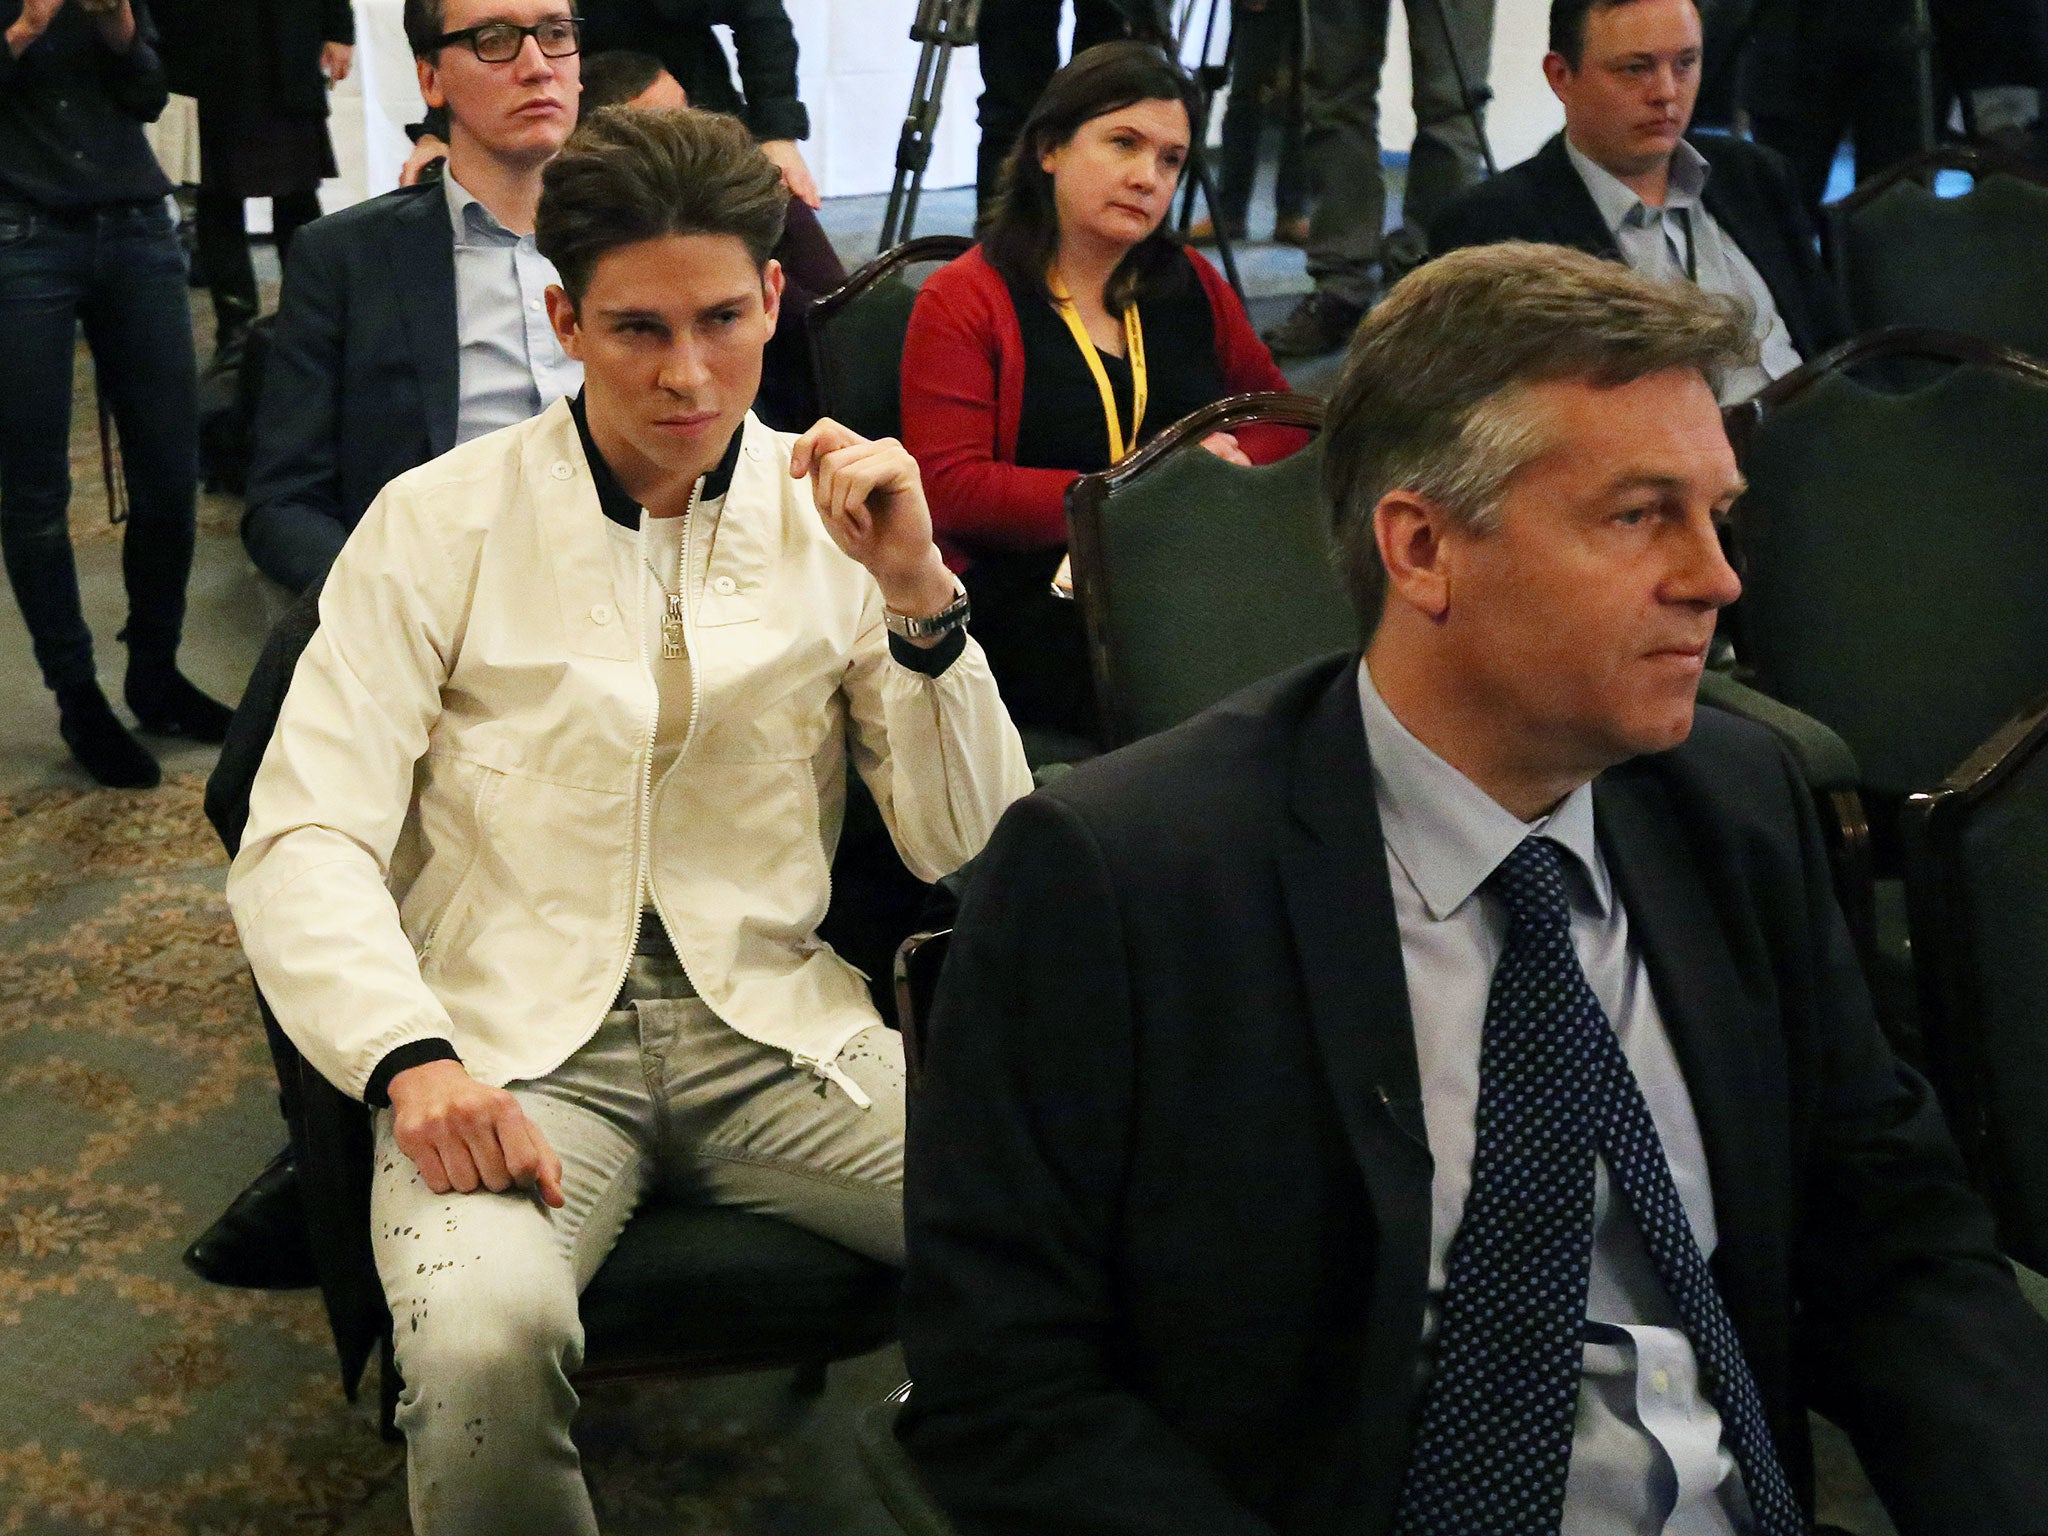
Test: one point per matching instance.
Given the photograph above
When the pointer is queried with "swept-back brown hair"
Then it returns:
(630, 174)
(1434, 399)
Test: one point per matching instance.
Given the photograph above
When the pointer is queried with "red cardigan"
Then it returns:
(963, 396)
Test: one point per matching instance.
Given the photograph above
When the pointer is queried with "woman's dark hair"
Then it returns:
(1020, 234)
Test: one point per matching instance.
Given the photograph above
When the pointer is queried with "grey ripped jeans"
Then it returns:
(483, 1287)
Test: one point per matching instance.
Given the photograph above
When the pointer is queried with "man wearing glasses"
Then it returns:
(408, 324)
(414, 321)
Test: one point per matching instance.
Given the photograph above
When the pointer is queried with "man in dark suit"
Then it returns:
(1622, 181)
(1435, 1093)
(416, 320)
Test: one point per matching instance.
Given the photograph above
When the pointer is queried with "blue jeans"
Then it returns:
(119, 270)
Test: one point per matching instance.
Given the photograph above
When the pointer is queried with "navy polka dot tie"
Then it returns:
(1495, 1441)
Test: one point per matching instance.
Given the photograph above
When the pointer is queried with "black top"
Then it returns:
(1034, 641)
(1061, 426)
(256, 58)
(71, 114)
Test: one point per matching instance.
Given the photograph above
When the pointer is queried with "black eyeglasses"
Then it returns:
(499, 42)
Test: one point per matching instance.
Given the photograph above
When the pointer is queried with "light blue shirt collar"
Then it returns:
(1619, 204)
(468, 215)
(1448, 834)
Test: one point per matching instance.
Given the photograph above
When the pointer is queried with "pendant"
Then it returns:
(672, 628)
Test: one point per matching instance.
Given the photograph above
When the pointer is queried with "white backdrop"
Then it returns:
(857, 65)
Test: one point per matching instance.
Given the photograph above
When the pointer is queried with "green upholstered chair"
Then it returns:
(1197, 577)
(1894, 548)
(1977, 884)
(856, 334)
(689, 1289)
(1972, 264)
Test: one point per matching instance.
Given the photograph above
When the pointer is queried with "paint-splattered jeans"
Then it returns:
(483, 1286)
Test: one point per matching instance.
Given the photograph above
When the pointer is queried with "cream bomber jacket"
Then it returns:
(448, 831)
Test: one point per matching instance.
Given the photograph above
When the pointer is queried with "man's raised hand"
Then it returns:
(871, 498)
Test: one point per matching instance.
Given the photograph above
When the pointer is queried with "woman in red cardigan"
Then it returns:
(1075, 330)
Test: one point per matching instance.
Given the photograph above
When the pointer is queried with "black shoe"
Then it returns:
(167, 704)
(260, 1240)
(1321, 322)
(100, 742)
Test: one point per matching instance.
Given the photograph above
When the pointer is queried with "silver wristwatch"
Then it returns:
(937, 625)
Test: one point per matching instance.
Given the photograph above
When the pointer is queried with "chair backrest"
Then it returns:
(1198, 577)
(1973, 264)
(857, 334)
(1977, 890)
(1896, 550)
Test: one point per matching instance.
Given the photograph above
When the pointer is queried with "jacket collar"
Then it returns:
(420, 258)
(612, 498)
(1340, 907)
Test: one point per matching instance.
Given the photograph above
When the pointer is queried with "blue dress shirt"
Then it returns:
(1647, 1453)
(511, 366)
(1682, 240)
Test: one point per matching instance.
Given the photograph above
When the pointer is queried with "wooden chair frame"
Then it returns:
(1087, 496)
(864, 278)
(1944, 949)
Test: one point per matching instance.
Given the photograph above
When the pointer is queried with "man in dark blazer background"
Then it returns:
(1622, 181)
(391, 345)
(1222, 1149)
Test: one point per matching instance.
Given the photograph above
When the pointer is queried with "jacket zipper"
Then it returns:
(645, 875)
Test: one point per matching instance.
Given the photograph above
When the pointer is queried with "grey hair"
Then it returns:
(1436, 396)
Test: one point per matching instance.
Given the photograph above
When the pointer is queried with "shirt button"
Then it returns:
(601, 614)
(534, 304)
(561, 469)
(725, 586)
(753, 450)
(1660, 1381)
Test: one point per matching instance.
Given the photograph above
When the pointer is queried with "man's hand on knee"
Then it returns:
(462, 1135)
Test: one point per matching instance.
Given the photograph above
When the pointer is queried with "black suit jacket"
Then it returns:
(362, 380)
(1169, 1194)
(1749, 192)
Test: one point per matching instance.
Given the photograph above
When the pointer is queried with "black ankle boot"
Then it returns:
(260, 1240)
(167, 704)
(100, 742)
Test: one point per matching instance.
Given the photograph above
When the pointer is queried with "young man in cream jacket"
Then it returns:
(536, 857)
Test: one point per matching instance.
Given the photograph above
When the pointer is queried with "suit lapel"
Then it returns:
(1719, 1009)
(1574, 216)
(422, 261)
(1340, 908)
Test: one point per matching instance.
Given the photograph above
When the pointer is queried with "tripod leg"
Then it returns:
(1198, 172)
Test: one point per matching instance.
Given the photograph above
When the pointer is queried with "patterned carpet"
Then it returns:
(135, 1095)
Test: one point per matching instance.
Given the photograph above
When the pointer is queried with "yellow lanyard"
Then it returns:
(1134, 354)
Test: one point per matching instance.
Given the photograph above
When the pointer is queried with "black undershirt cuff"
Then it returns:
(931, 660)
(414, 1053)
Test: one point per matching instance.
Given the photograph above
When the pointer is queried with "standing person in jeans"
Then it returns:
(86, 236)
(1350, 256)
(261, 70)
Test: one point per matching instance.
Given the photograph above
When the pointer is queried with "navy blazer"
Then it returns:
(362, 379)
(1750, 192)
(1168, 1186)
